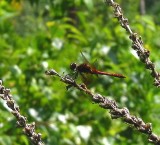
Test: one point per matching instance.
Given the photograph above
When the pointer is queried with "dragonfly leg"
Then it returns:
(75, 75)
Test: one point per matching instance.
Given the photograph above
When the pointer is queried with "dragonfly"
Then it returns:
(87, 68)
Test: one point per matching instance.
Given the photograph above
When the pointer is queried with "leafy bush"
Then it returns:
(37, 35)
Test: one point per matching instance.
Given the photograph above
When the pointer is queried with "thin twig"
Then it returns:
(111, 105)
(137, 43)
(28, 129)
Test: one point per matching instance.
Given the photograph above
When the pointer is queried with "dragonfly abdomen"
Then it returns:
(108, 74)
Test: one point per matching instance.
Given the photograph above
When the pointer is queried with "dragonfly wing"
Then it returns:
(93, 65)
(84, 58)
(86, 78)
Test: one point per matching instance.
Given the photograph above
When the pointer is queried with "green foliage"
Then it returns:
(37, 35)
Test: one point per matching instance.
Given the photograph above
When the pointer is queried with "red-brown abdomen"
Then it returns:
(108, 74)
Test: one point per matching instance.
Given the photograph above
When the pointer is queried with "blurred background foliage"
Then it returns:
(36, 35)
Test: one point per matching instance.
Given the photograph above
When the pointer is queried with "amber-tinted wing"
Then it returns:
(93, 65)
(87, 78)
(84, 58)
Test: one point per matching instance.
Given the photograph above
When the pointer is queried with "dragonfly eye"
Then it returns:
(73, 66)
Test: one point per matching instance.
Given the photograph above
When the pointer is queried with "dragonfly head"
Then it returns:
(73, 66)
